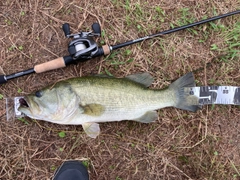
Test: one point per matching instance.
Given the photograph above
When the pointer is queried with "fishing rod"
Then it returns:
(83, 47)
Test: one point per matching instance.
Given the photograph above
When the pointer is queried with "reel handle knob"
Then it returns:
(96, 28)
(66, 29)
(3, 79)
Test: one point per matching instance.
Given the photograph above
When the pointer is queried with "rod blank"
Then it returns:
(174, 30)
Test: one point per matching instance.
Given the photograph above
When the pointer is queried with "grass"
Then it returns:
(179, 145)
(231, 40)
(62, 134)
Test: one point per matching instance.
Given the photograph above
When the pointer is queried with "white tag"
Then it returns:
(12, 105)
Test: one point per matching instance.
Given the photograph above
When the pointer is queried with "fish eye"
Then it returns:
(38, 94)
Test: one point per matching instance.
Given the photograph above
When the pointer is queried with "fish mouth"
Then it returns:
(23, 103)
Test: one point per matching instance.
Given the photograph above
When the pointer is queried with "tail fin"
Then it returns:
(185, 101)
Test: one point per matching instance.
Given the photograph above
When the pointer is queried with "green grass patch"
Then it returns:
(232, 43)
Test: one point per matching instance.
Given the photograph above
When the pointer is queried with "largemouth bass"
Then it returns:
(89, 100)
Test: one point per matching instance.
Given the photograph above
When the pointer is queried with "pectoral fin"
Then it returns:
(148, 117)
(92, 109)
(91, 129)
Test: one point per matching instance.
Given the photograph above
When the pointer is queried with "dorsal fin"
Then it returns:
(103, 75)
(143, 78)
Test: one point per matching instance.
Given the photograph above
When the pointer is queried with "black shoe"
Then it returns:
(71, 170)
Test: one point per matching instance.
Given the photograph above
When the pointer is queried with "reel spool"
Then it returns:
(83, 46)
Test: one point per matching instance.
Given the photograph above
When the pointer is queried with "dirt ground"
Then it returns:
(180, 145)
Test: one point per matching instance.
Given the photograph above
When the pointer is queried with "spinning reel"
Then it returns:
(83, 46)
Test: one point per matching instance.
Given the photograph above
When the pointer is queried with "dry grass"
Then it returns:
(180, 145)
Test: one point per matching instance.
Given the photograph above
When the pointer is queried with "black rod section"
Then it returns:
(4, 79)
(173, 30)
(18, 74)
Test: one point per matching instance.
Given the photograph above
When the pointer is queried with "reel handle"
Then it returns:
(3, 79)
(96, 28)
(66, 29)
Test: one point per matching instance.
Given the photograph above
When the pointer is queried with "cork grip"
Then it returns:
(106, 49)
(51, 65)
